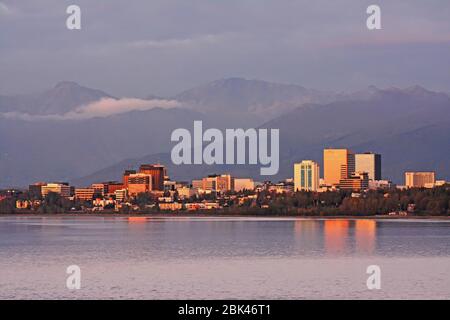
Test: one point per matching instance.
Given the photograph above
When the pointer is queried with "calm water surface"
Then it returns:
(229, 258)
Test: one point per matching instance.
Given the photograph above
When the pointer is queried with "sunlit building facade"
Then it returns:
(139, 183)
(84, 194)
(63, 189)
(419, 179)
(358, 181)
(158, 173)
(241, 184)
(338, 164)
(306, 176)
(370, 163)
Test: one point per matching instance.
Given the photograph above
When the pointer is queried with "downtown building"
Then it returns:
(139, 183)
(85, 194)
(370, 163)
(241, 184)
(126, 177)
(149, 178)
(306, 176)
(158, 174)
(63, 189)
(338, 164)
(358, 181)
(214, 183)
(419, 179)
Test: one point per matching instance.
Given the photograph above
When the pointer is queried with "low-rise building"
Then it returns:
(121, 195)
(281, 187)
(139, 183)
(63, 189)
(185, 192)
(380, 184)
(170, 206)
(241, 184)
(356, 182)
(214, 183)
(419, 179)
(23, 204)
(84, 194)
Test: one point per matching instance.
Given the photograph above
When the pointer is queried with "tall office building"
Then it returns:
(126, 176)
(337, 164)
(419, 179)
(139, 183)
(306, 176)
(158, 172)
(370, 163)
(112, 187)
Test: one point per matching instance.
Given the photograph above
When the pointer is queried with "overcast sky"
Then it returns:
(161, 47)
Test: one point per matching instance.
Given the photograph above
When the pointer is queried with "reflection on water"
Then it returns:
(250, 258)
(336, 234)
(139, 237)
(137, 220)
(365, 232)
(339, 236)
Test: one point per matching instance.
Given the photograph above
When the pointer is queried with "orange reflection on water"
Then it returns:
(305, 228)
(137, 219)
(335, 233)
(365, 235)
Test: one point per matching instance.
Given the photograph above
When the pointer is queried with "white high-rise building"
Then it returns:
(370, 163)
(306, 176)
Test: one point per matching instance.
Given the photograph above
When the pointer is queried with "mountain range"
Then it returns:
(66, 96)
(409, 127)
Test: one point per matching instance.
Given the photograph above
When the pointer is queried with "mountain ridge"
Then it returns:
(65, 150)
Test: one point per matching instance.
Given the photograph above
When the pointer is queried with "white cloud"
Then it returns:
(99, 109)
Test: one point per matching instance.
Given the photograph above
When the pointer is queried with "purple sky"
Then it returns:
(161, 47)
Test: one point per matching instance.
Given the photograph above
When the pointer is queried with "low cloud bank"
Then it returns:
(99, 109)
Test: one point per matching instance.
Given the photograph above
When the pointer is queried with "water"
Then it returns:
(223, 258)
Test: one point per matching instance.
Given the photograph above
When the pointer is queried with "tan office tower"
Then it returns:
(306, 176)
(158, 172)
(139, 183)
(370, 163)
(337, 164)
(217, 183)
(126, 177)
(419, 179)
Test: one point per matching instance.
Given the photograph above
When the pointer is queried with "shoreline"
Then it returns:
(211, 215)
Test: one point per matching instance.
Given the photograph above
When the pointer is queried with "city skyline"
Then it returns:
(227, 103)
(224, 150)
(342, 169)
